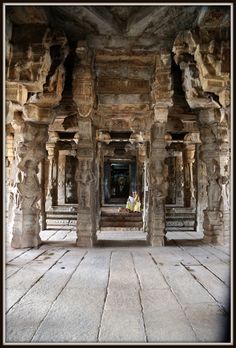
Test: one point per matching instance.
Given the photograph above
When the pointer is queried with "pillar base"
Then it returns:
(25, 231)
(157, 241)
(217, 240)
(25, 241)
(86, 241)
(213, 225)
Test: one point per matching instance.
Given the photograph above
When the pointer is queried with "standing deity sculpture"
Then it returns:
(85, 178)
(29, 188)
(213, 189)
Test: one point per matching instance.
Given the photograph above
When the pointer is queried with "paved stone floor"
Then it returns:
(122, 291)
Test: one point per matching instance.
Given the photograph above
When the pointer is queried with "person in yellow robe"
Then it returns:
(133, 202)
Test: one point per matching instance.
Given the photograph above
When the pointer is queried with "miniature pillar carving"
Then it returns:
(214, 153)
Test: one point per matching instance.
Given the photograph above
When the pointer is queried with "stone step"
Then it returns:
(62, 215)
(63, 208)
(180, 229)
(121, 224)
(175, 216)
(180, 222)
(121, 220)
(60, 222)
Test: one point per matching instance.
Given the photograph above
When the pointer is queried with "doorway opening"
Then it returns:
(119, 181)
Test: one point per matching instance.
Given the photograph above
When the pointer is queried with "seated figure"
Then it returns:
(133, 202)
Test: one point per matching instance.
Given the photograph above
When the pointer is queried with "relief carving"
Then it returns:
(85, 178)
(216, 159)
(83, 81)
(30, 141)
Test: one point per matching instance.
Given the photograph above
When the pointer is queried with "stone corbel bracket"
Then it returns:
(36, 79)
(205, 70)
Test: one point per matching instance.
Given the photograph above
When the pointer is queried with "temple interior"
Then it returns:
(102, 101)
(117, 172)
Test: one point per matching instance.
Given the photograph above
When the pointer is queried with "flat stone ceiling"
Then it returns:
(151, 25)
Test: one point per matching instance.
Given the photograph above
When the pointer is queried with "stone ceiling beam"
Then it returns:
(138, 22)
(102, 14)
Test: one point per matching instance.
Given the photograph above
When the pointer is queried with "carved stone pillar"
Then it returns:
(214, 153)
(42, 222)
(50, 200)
(84, 97)
(158, 171)
(202, 199)
(9, 167)
(30, 150)
(189, 190)
(61, 189)
(157, 179)
(34, 89)
(179, 178)
(86, 187)
(98, 174)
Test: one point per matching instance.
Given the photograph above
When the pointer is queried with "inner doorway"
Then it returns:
(119, 181)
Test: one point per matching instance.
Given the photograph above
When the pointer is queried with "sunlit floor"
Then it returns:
(122, 291)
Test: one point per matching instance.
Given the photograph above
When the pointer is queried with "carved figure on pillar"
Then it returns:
(83, 81)
(30, 151)
(162, 98)
(35, 83)
(157, 185)
(213, 189)
(85, 178)
(189, 189)
(215, 157)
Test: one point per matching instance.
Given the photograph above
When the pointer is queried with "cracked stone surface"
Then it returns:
(59, 293)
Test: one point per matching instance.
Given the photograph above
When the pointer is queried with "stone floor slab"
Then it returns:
(212, 284)
(118, 293)
(37, 302)
(209, 321)
(80, 305)
(185, 287)
(165, 320)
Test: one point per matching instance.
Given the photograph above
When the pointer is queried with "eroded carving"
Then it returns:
(85, 178)
(83, 81)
